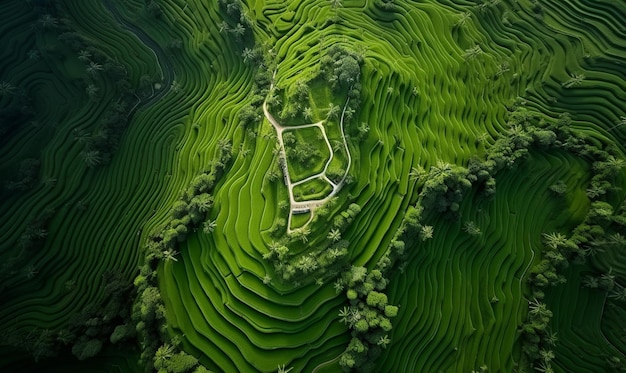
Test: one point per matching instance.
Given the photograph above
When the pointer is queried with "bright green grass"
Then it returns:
(299, 220)
(312, 189)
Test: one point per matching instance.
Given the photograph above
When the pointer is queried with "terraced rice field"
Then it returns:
(437, 82)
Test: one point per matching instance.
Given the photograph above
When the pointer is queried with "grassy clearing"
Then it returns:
(312, 190)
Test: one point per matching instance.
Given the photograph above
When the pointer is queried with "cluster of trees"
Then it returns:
(444, 187)
(102, 142)
(149, 315)
(323, 262)
(300, 150)
(342, 69)
(368, 317)
(528, 130)
(236, 22)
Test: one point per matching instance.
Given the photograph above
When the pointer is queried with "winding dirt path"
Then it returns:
(307, 206)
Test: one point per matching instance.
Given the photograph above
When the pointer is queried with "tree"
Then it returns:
(555, 240)
(334, 235)
(471, 228)
(92, 91)
(169, 255)
(336, 4)
(84, 55)
(575, 80)
(417, 173)
(383, 341)
(48, 21)
(282, 369)
(92, 158)
(6, 89)
(247, 54)
(165, 352)
(472, 53)
(93, 68)
(347, 70)
(308, 113)
(426, 232)
(333, 111)
(209, 226)
(239, 30)
(345, 315)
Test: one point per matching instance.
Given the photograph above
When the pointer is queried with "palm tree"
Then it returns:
(617, 239)
(170, 254)
(163, 354)
(345, 315)
(283, 369)
(84, 55)
(546, 355)
(93, 68)
(618, 293)
(538, 308)
(267, 279)
(33, 54)
(247, 54)
(209, 226)
(363, 128)
(544, 367)
(427, 232)
(336, 4)
(48, 21)
(31, 272)
(607, 280)
(591, 282)
(554, 240)
(383, 341)
(575, 80)
(471, 228)
(239, 30)
(334, 235)
(552, 338)
(6, 89)
(463, 19)
(92, 158)
(440, 169)
(417, 173)
(595, 191)
(338, 285)
(502, 68)
(473, 52)
(223, 26)
(92, 90)
(307, 113)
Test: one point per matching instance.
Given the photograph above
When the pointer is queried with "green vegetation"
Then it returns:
(459, 201)
(307, 152)
(312, 189)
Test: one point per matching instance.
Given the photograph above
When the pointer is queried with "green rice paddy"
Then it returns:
(110, 111)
